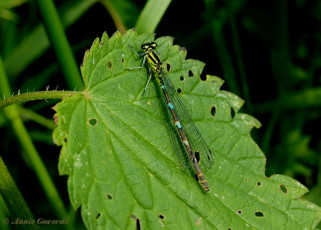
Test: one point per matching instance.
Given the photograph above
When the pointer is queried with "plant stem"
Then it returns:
(35, 43)
(60, 43)
(28, 114)
(40, 95)
(17, 206)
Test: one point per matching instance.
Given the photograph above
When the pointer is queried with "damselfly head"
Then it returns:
(149, 46)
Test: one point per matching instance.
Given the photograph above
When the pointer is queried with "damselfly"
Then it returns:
(191, 138)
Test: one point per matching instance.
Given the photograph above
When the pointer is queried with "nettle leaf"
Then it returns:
(127, 168)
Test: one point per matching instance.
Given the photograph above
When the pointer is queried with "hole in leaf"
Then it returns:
(213, 111)
(168, 67)
(110, 197)
(259, 214)
(137, 221)
(109, 64)
(181, 78)
(122, 60)
(93, 121)
(239, 212)
(137, 224)
(179, 90)
(258, 183)
(232, 113)
(161, 216)
(283, 188)
(190, 73)
(197, 156)
(98, 215)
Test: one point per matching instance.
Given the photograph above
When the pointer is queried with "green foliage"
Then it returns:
(268, 53)
(11, 195)
(151, 15)
(117, 149)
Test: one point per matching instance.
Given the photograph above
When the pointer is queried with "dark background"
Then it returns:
(264, 50)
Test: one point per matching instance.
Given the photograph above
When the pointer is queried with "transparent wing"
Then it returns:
(176, 144)
(196, 140)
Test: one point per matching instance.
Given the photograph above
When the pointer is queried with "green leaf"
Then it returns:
(125, 167)
(151, 15)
